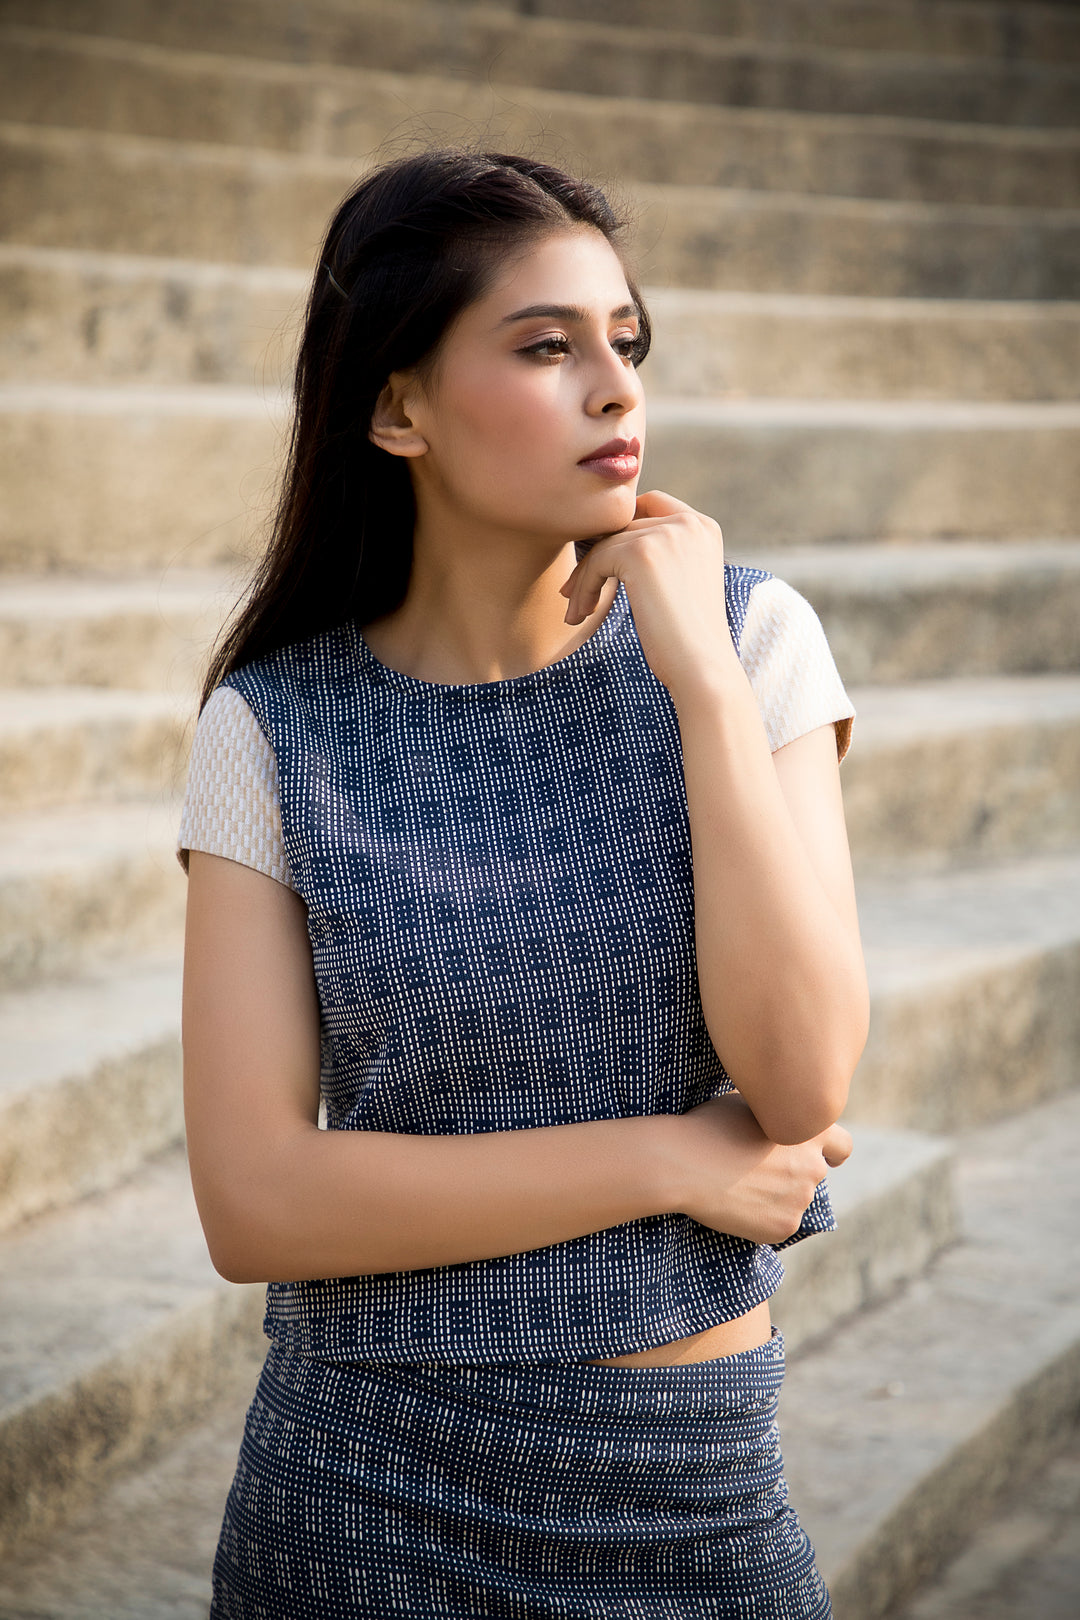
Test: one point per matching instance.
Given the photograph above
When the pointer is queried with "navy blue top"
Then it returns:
(500, 903)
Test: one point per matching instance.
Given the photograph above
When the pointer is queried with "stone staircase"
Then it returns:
(860, 232)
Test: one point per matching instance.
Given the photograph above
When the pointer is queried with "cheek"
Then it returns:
(494, 413)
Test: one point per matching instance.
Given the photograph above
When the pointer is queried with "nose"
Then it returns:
(615, 386)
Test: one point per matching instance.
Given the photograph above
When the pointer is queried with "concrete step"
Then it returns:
(116, 1335)
(779, 472)
(149, 632)
(903, 1431)
(962, 607)
(133, 194)
(83, 82)
(960, 28)
(86, 317)
(83, 1401)
(1023, 1561)
(101, 479)
(768, 345)
(892, 613)
(978, 767)
(775, 472)
(975, 980)
(89, 1083)
(88, 744)
(755, 58)
(84, 883)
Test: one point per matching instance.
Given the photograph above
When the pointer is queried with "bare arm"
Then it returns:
(780, 966)
(280, 1199)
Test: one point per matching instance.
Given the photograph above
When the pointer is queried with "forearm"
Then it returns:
(340, 1203)
(780, 969)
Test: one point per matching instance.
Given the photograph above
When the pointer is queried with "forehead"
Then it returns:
(576, 267)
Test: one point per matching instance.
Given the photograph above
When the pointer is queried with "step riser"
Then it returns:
(106, 491)
(88, 1133)
(865, 1262)
(970, 1050)
(1015, 625)
(768, 483)
(139, 650)
(962, 1493)
(772, 244)
(103, 492)
(98, 323)
(964, 30)
(1012, 791)
(173, 325)
(818, 353)
(87, 760)
(57, 1454)
(336, 116)
(54, 925)
(537, 49)
(119, 194)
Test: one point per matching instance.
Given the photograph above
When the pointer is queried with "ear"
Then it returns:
(392, 427)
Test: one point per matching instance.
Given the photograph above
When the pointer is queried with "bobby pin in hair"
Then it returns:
(334, 282)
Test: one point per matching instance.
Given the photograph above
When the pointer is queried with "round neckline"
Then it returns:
(413, 683)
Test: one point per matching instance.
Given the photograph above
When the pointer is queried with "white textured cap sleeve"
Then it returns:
(790, 668)
(232, 806)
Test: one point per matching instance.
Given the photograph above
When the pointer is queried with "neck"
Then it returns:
(482, 612)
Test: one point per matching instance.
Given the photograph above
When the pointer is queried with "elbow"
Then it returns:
(238, 1243)
(808, 1099)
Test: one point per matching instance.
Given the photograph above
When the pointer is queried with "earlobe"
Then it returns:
(392, 427)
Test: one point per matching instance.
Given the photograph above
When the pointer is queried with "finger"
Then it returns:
(837, 1146)
(658, 503)
(588, 579)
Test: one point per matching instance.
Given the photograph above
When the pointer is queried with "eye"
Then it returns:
(548, 348)
(633, 346)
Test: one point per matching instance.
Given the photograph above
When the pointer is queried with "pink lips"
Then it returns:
(617, 460)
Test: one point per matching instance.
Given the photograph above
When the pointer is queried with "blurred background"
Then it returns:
(859, 233)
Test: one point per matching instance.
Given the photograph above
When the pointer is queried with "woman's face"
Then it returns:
(530, 382)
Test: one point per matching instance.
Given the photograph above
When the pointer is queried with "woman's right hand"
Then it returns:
(738, 1181)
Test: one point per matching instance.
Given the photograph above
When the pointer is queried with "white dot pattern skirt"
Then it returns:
(524, 1492)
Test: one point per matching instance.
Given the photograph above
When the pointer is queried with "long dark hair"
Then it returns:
(411, 246)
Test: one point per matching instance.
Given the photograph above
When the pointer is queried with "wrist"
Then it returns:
(663, 1164)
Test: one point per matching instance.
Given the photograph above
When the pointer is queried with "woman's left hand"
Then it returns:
(671, 560)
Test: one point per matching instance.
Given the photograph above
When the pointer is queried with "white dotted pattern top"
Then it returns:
(232, 807)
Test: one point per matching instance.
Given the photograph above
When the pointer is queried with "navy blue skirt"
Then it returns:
(447, 1493)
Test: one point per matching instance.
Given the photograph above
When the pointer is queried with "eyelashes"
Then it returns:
(633, 349)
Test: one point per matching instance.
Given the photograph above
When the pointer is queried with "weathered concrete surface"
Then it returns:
(975, 977)
(778, 345)
(907, 1428)
(135, 194)
(83, 316)
(919, 612)
(908, 45)
(82, 743)
(148, 632)
(115, 1334)
(131, 89)
(85, 881)
(969, 768)
(144, 477)
(1025, 1561)
(89, 1083)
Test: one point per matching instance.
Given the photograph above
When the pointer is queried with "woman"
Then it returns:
(482, 700)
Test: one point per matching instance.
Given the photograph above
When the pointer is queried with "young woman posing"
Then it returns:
(442, 803)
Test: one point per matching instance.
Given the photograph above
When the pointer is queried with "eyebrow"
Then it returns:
(567, 312)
